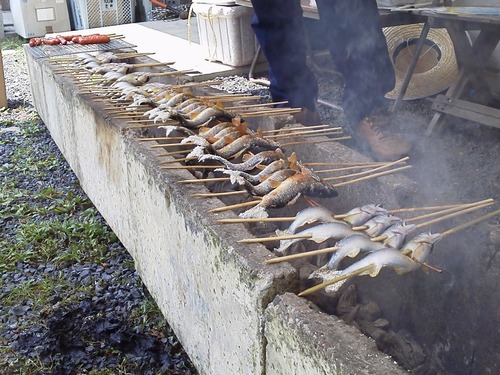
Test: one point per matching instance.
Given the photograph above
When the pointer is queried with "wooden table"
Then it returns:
(471, 58)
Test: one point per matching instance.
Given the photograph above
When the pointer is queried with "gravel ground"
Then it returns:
(71, 300)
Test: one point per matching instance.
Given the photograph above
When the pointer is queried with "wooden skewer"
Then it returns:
(316, 141)
(424, 208)
(272, 112)
(223, 194)
(255, 220)
(437, 220)
(447, 210)
(335, 280)
(374, 163)
(181, 152)
(385, 166)
(275, 238)
(470, 209)
(234, 206)
(339, 216)
(369, 177)
(470, 223)
(254, 105)
(172, 145)
(142, 126)
(299, 128)
(312, 133)
(226, 96)
(126, 55)
(191, 167)
(204, 180)
(195, 84)
(285, 258)
(343, 169)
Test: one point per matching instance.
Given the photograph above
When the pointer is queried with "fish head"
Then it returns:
(427, 238)
(374, 209)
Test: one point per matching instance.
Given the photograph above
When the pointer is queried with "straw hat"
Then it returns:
(436, 68)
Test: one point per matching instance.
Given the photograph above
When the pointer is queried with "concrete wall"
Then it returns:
(213, 291)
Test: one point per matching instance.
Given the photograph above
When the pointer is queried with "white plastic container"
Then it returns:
(225, 33)
(39, 17)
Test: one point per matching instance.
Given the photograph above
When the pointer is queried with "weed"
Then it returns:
(15, 42)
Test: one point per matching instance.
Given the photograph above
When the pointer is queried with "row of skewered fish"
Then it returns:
(369, 230)
(252, 161)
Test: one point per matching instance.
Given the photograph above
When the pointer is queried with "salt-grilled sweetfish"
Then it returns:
(242, 177)
(369, 265)
(360, 215)
(351, 246)
(396, 234)
(270, 183)
(247, 142)
(378, 224)
(264, 157)
(301, 183)
(310, 215)
(318, 233)
(204, 117)
(420, 247)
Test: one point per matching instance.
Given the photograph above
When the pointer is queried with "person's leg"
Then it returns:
(359, 51)
(278, 26)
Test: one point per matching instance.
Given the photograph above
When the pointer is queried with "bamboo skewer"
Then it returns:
(275, 238)
(449, 209)
(214, 179)
(317, 141)
(369, 177)
(222, 194)
(254, 105)
(305, 134)
(470, 223)
(338, 217)
(387, 165)
(286, 258)
(234, 206)
(335, 280)
(442, 218)
(191, 167)
(256, 220)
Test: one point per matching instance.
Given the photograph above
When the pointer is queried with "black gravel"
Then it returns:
(97, 316)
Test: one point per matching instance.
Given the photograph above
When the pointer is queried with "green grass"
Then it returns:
(14, 42)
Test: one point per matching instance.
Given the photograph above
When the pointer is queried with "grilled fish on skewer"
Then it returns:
(269, 183)
(301, 183)
(209, 113)
(308, 216)
(369, 265)
(378, 224)
(420, 247)
(319, 233)
(240, 177)
(360, 215)
(351, 246)
(395, 235)
(247, 142)
(264, 157)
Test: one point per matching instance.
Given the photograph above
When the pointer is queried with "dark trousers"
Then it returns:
(353, 33)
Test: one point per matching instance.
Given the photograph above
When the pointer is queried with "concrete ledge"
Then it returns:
(213, 291)
(301, 340)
